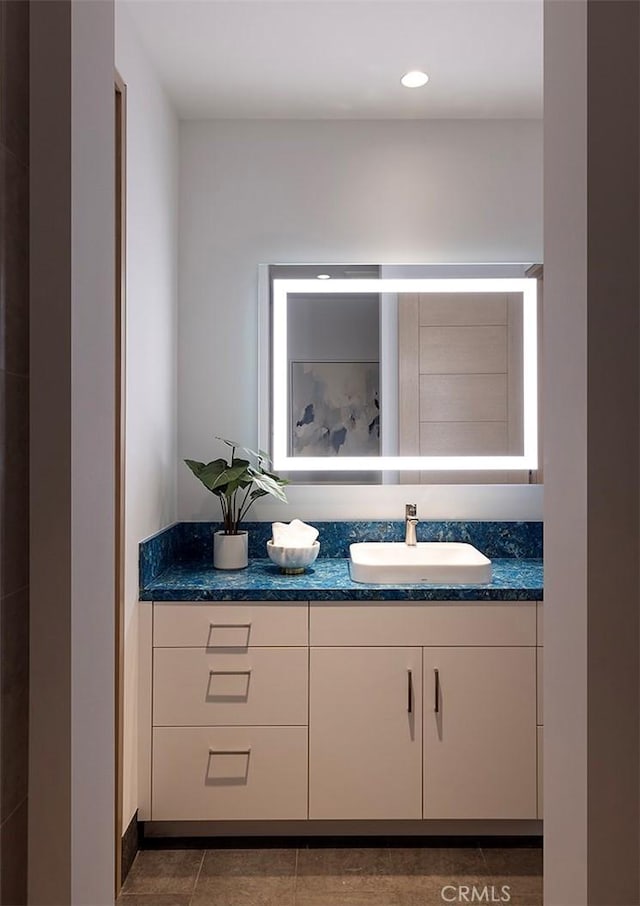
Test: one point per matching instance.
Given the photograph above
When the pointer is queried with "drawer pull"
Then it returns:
(246, 672)
(409, 692)
(246, 751)
(229, 625)
(214, 626)
(437, 700)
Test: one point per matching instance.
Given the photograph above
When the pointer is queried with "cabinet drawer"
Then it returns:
(222, 625)
(423, 623)
(217, 687)
(229, 773)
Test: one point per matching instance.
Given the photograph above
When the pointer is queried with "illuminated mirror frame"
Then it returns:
(282, 461)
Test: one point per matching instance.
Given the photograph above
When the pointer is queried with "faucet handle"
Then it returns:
(410, 510)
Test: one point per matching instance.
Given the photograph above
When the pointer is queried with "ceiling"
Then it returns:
(342, 59)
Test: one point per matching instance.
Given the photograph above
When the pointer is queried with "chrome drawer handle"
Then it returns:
(246, 751)
(230, 672)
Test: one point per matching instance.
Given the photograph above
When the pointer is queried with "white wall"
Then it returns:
(302, 191)
(152, 243)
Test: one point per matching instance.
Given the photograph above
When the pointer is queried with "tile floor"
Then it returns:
(324, 876)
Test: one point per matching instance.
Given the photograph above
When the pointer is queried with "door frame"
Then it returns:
(120, 450)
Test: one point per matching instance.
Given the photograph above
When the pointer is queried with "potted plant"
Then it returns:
(237, 483)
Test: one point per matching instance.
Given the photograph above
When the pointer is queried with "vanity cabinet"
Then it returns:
(365, 733)
(474, 726)
(480, 732)
(389, 710)
(229, 711)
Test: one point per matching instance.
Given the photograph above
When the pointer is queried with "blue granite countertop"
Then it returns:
(329, 579)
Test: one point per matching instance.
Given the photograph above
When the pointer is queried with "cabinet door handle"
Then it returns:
(246, 751)
(246, 672)
(436, 707)
(409, 692)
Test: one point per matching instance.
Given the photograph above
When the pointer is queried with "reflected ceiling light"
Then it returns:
(414, 79)
(324, 277)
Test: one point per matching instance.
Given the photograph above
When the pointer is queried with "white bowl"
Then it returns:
(293, 560)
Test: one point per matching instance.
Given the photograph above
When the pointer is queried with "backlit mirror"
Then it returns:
(404, 376)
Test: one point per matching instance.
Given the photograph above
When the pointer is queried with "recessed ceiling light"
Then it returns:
(414, 79)
(324, 276)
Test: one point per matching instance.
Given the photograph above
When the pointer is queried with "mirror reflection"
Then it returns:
(403, 378)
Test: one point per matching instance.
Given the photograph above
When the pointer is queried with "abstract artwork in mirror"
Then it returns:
(335, 409)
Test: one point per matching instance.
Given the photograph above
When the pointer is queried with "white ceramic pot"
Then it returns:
(230, 551)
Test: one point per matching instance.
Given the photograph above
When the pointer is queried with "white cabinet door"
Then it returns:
(365, 733)
(480, 733)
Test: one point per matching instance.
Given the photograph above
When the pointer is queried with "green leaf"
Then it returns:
(260, 455)
(225, 479)
(228, 475)
(230, 443)
(234, 486)
(211, 472)
(207, 472)
(267, 484)
(195, 466)
(276, 478)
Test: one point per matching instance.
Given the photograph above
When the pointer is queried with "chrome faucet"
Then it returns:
(410, 522)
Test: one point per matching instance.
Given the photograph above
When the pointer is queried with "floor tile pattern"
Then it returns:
(325, 876)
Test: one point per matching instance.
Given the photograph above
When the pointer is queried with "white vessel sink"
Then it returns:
(442, 562)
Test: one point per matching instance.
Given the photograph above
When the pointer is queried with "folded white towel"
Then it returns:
(294, 534)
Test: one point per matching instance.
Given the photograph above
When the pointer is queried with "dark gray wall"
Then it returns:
(14, 440)
(592, 479)
(613, 349)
